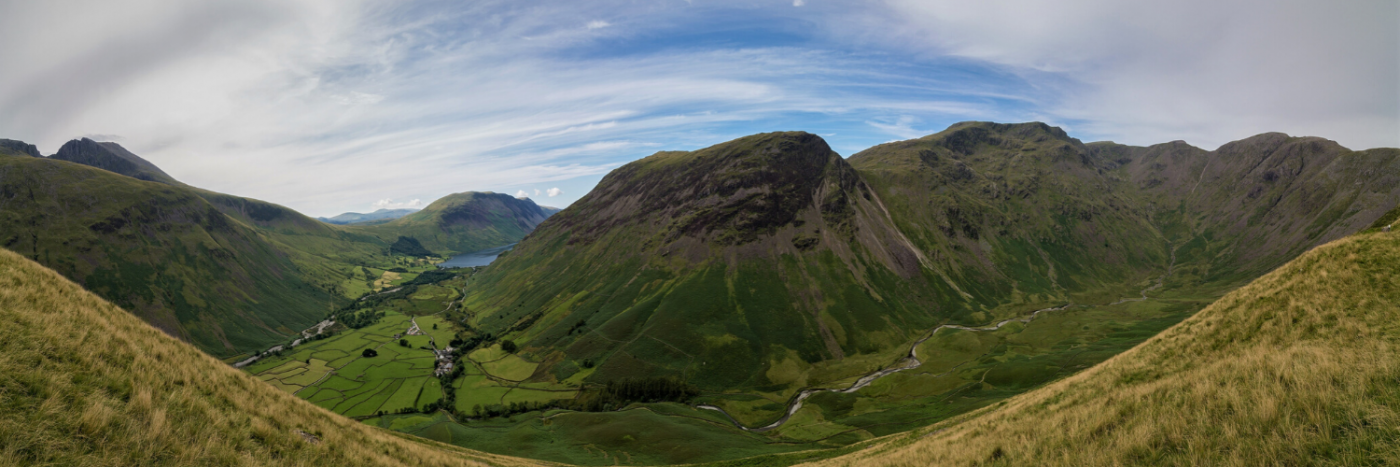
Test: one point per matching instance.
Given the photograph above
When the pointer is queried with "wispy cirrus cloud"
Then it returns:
(308, 102)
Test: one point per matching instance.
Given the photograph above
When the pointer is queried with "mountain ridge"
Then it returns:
(112, 157)
(380, 215)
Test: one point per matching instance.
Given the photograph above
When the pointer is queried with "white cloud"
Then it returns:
(522, 194)
(598, 24)
(250, 96)
(1201, 70)
(388, 203)
(902, 127)
(537, 192)
(554, 192)
(799, 2)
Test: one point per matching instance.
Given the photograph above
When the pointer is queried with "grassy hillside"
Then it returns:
(87, 383)
(227, 273)
(1298, 367)
(1023, 212)
(1018, 213)
(1252, 205)
(159, 250)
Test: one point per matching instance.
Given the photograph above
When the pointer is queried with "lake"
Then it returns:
(475, 258)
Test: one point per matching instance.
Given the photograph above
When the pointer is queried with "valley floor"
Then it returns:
(960, 369)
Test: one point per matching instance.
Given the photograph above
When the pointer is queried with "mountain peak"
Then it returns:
(113, 158)
(746, 186)
(10, 146)
(975, 132)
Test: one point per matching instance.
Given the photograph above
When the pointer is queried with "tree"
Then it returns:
(369, 353)
(403, 342)
(508, 346)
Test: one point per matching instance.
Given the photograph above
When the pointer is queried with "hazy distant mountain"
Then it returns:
(382, 215)
(464, 222)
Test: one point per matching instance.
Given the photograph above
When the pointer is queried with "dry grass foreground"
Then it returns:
(84, 383)
(1300, 367)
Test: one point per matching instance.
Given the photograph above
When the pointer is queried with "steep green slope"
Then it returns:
(463, 222)
(1018, 213)
(1059, 218)
(86, 383)
(227, 273)
(159, 250)
(1253, 204)
(1296, 368)
(713, 265)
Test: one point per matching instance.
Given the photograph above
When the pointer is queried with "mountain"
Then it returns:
(464, 222)
(1017, 213)
(89, 384)
(1299, 366)
(18, 148)
(161, 251)
(769, 263)
(1258, 202)
(113, 158)
(226, 273)
(713, 264)
(381, 215)
(1024, 210)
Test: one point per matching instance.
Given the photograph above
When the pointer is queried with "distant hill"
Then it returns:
(380, 216)
(464, 222)
(113, 158)
(89, 384)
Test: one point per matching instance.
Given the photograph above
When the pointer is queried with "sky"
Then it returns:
(328, 106)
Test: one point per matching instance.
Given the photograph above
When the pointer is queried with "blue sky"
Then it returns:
(333, 106)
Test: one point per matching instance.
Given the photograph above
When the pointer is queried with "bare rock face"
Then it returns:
(113, 158)
(18, 148)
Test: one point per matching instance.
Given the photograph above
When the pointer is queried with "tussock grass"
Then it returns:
(1300, 367)
(84, 383)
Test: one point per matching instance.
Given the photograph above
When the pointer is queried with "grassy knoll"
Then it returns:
(87, 383)
(1297, 367)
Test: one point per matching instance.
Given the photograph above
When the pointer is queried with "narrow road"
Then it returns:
(305, 334)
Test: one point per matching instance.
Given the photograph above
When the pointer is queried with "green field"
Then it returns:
(398, 378)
